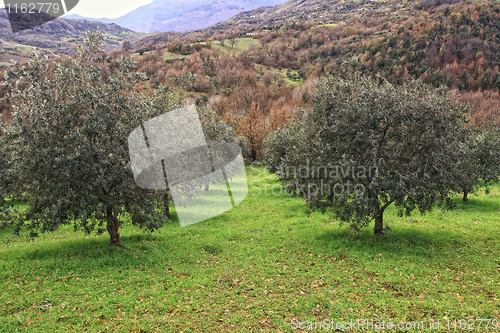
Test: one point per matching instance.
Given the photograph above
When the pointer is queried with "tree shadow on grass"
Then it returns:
(477, 205)
(419, 242)
(93, 247)
(415, 240)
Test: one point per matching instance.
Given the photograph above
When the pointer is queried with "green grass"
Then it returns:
(174, 56)
(22, 50)
(254, 269)
(137, 55)
(282, 72)
(22, 53)
(293, 83)
(242, 44)
(329, 25)
(166, 55)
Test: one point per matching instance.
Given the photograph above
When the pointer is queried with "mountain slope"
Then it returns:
(209, 14)
(182, 15)
(91, 19)
(300, 11)
(54, 38)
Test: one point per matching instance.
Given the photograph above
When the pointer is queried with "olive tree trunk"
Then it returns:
(379, 219)
(379, 222)
(113, 226)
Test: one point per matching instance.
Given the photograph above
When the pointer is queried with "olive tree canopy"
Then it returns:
(479, 161)
(368, 144)
(68, 142)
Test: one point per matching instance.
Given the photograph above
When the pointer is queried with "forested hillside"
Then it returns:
(257, 68)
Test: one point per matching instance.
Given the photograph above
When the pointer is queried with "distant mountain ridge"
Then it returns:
(181, 15)
(90, 19)
(55, 38)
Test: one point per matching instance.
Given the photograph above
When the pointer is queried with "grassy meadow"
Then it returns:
(256, 268)
(241, 45)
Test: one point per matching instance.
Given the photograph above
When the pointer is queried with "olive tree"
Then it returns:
(479, 161)
(368, 144)
(6, 181)
(4, 166)
(68, 139)
(215, 129)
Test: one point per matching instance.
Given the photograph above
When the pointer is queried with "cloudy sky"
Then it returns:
(105, 8)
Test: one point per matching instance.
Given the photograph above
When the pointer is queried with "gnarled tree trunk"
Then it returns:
(113, 226)
(465, 198)
(379, 219)
(379, 222)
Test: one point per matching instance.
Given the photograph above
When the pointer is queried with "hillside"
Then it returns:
(180, 16)
(261, 66)
(265, 62)
(54, 38)
(295, 11)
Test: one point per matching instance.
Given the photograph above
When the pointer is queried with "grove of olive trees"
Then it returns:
(368, 144)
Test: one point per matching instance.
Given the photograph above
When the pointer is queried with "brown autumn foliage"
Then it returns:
(485, 106)
(452, 43)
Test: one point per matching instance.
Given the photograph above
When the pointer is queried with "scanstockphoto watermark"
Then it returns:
(360, 324)
(311, 181)
(375, 325)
